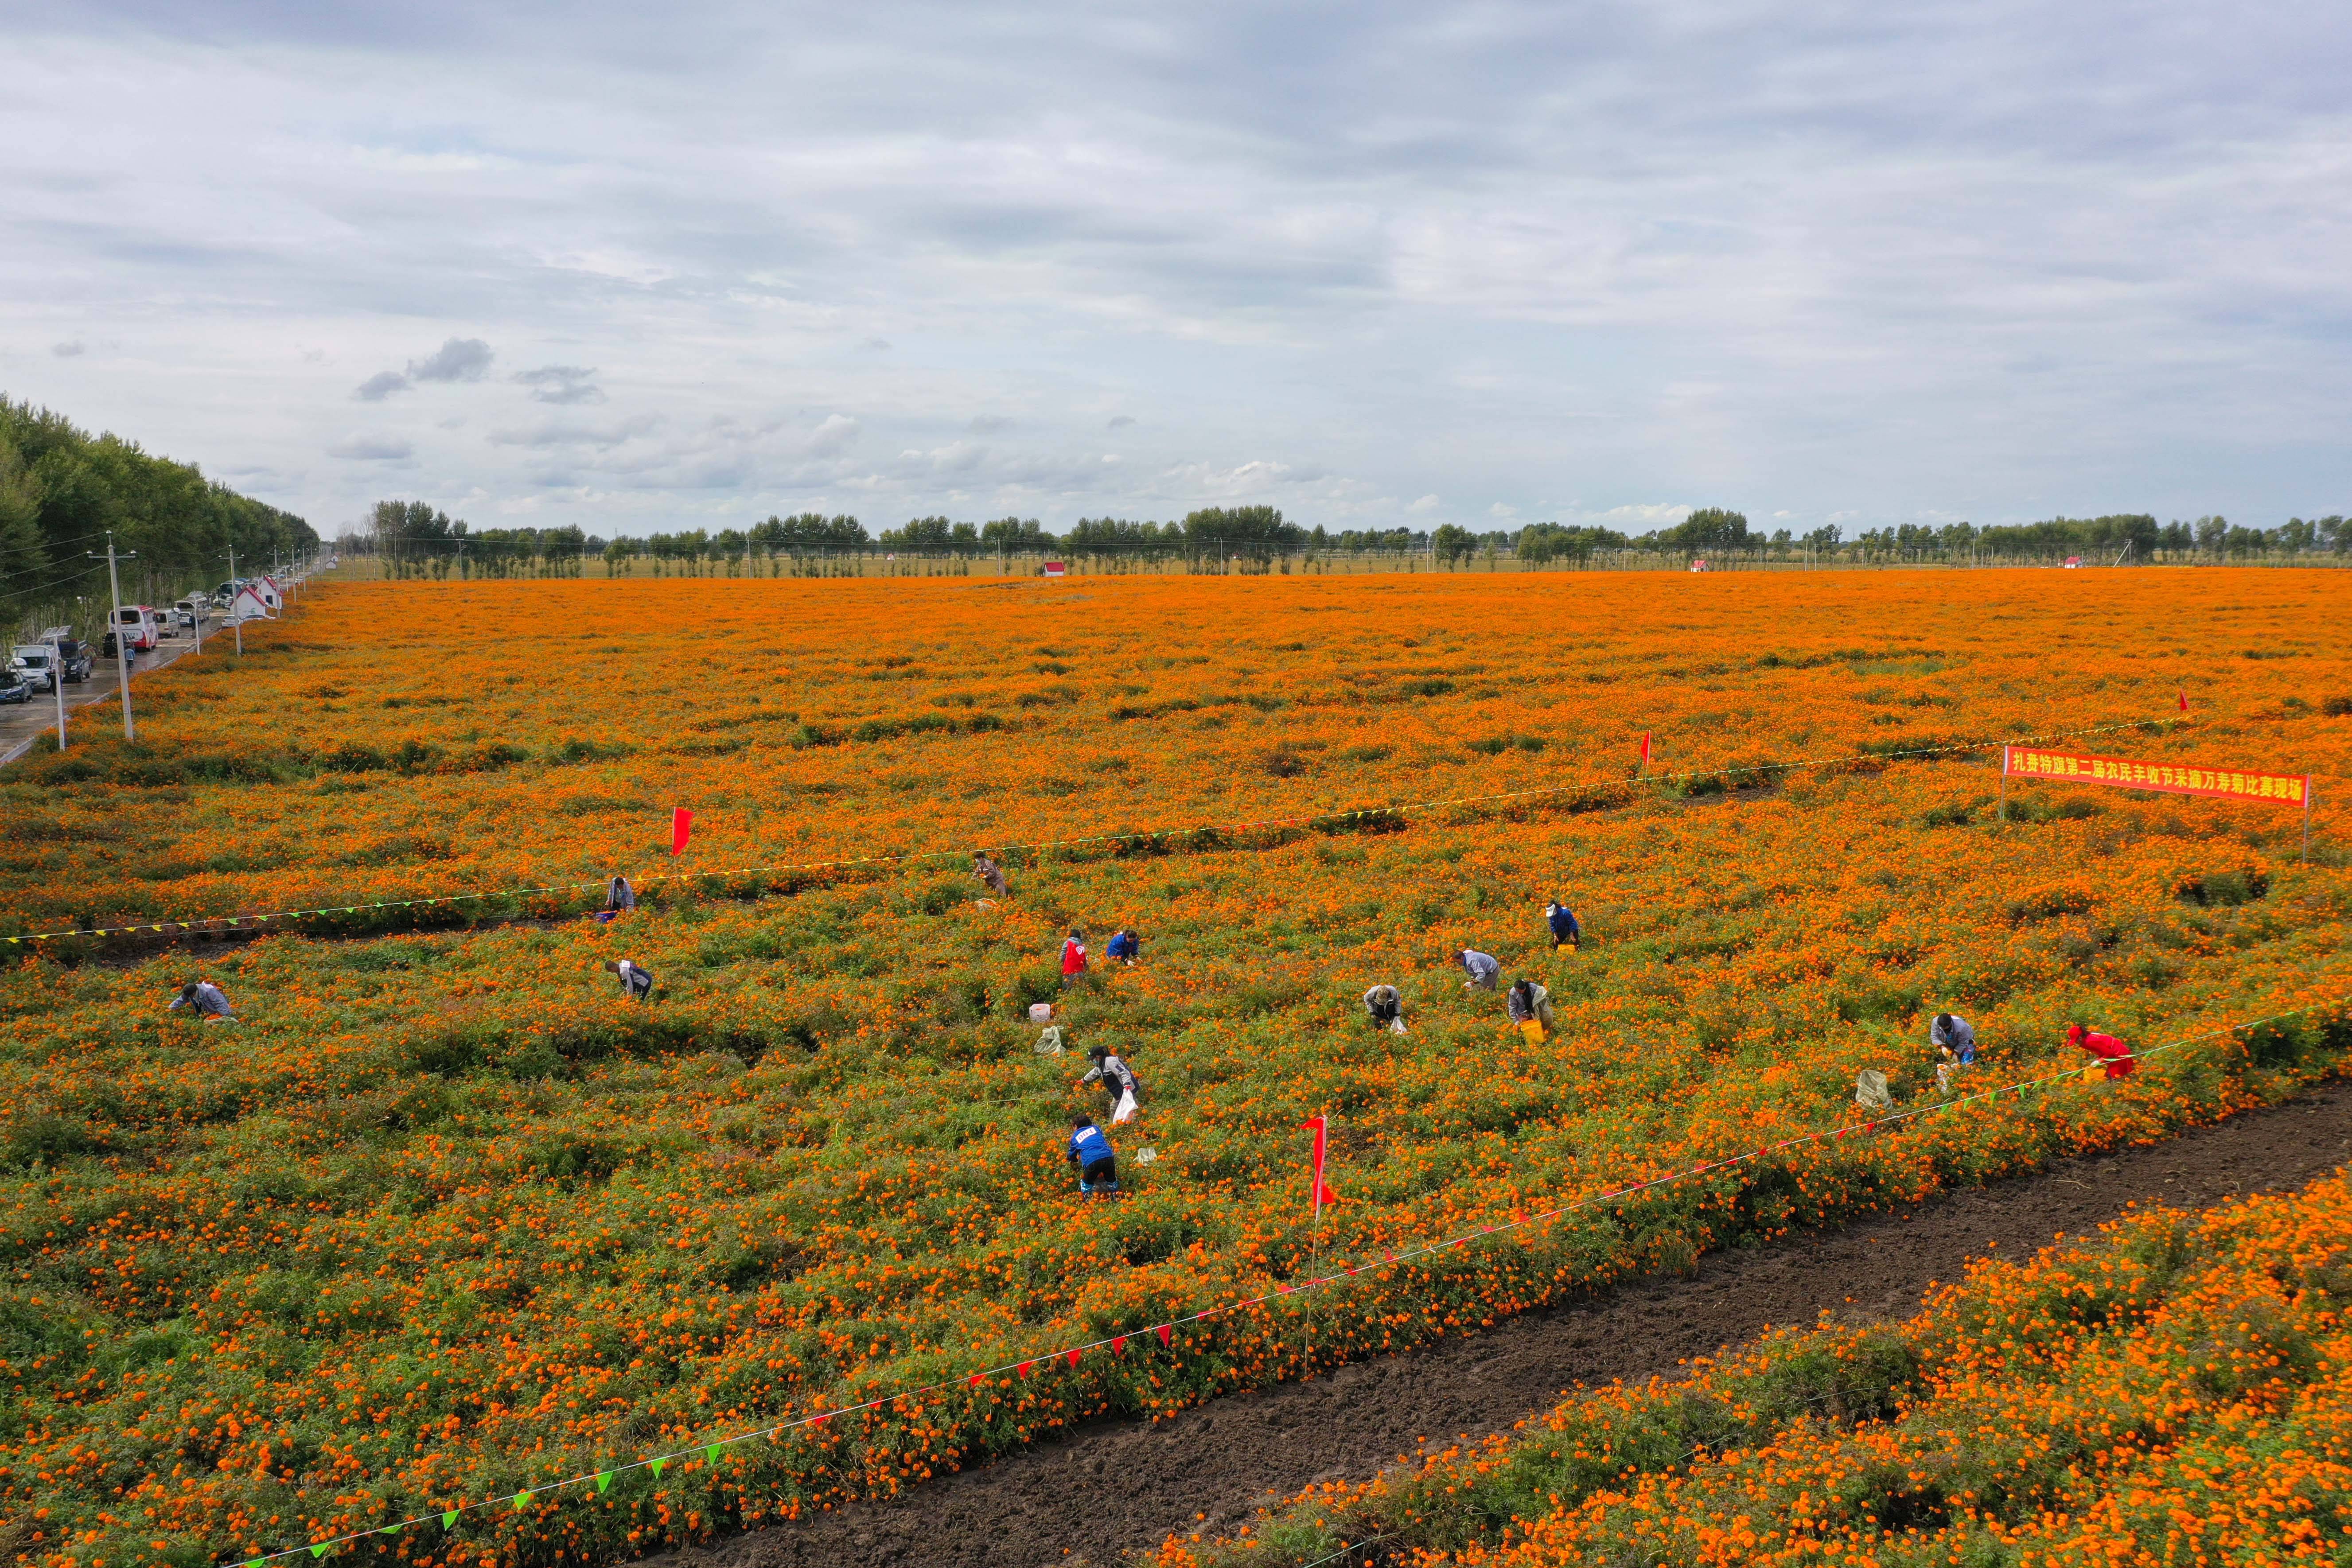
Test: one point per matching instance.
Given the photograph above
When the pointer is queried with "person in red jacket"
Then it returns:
(2107, 1047)
(1074, 956)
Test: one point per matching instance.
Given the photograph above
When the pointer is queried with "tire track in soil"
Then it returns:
(1118, 1485)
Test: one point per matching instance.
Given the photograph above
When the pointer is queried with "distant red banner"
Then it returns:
(2173, 778)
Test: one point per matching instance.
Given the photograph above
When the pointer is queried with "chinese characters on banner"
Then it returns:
(2173, 778)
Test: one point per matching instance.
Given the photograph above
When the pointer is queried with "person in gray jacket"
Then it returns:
(1386, 1008)
(1951, 1032)
(991, 874)
(1484, 973)
(1528, 1003)
(209, 1002)
(636, 982)
(1955, 1048)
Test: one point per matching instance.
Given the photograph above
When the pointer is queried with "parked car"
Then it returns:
(13, 687)
(74, 658)
(36, 663)
(187, 612)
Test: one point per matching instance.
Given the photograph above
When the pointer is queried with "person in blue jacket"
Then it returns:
(1090, 1151)
(1565, 931)
(1124, 946)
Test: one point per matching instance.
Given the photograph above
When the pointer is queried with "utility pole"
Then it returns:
(235, 617)
(114, 626)
(58, 684)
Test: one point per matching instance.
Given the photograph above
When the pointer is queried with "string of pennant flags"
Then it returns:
(1165, 1332)
(682, 821)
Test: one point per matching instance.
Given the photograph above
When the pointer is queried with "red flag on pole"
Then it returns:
(681, 828)
(2184, 702)
(1645, 748)
(1320, 1127)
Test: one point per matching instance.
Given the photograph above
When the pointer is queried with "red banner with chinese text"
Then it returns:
(2173, 778)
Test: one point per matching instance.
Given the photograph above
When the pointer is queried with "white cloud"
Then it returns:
(459, 359)
(372, 448)
(602, 437)
(1948, 263)
(562, 383)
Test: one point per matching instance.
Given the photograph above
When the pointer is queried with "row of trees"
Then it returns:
(63, 488)
(416, 539)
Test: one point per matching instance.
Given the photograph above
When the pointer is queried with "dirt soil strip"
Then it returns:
(1117, 1485)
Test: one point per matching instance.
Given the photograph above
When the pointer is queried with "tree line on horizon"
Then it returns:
(63, 488)
(416, 538)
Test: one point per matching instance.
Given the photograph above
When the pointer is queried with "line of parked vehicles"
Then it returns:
(59, 656)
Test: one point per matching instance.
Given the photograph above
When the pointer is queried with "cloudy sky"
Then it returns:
(644, 266)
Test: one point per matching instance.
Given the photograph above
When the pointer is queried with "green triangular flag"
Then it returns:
(657, 1467)
(319, 1550)
(520, 1498)
(711, 1453)
(604, 1480)
(449, 1519)
(389, 1530)
(254, 1564)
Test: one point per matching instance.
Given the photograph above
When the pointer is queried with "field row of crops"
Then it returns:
(2179, 1390)
(446, 1219)
(340, 764)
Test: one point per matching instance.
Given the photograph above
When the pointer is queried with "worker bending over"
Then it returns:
(2116, 1056)
(1529, 1005)
(1090, 1151)
(1483, 971)
(1118, 1079)
(209, 1002)
(636, 982)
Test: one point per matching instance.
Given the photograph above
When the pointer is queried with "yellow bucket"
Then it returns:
(2093, 1075)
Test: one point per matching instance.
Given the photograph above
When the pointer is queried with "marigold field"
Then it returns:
(2178, 1391)
(447, 1220)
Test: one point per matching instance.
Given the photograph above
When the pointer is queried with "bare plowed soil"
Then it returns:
(1120, 1485)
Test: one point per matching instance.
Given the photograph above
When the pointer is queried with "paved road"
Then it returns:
(22, 727)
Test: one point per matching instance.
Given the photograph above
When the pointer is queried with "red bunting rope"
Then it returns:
(1116, 1345)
